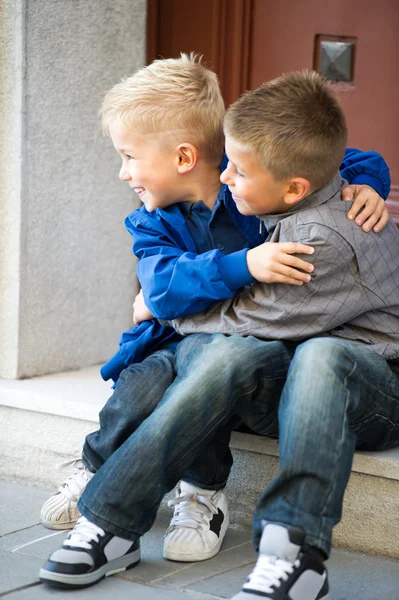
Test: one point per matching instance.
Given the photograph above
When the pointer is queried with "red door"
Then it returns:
(251, 41)
(283, 39)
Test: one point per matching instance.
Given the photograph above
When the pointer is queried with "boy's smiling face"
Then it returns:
(254, 190)
(148, 166)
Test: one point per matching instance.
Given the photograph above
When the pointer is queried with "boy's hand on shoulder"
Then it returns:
(368, 207)
(273, 262)
(140, 311)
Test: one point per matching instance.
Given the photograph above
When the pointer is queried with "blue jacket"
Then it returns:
(176, 281)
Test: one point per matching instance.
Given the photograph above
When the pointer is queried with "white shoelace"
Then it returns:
(269, 571)
(83, 533)
(72, 487)
(191, 510)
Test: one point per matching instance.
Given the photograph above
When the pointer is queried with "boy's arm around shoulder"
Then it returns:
(175, 279)
(277, 311)
(367, 168)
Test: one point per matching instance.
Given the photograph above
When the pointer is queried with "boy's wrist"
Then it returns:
(366, 179)
(234, 270)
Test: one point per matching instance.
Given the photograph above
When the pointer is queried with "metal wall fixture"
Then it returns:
(334, 57)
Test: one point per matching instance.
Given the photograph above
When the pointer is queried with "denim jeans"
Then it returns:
(323, 397)
(214, 376)
(138, 391)
(338, 396)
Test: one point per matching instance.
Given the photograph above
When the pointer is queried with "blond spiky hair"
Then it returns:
(177, 97)
(294, 125)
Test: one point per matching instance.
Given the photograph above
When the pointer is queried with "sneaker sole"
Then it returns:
(59, 526)
(180, 557)
(67, 581)
(248, 596)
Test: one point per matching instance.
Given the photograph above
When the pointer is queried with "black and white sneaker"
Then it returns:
(198, 526)
(283, 570)
(87, 555)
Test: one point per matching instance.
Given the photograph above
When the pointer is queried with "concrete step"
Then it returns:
(44, 421)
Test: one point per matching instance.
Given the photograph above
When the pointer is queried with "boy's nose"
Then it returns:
(225, 176)
(124, 175)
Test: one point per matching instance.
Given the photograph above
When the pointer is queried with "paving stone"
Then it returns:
(21, 540)
(226, 561)
(17, 571)
(355, 575)
(20, 506)
(223, 585)
(352, 575)
(109, 589)
(41, 546)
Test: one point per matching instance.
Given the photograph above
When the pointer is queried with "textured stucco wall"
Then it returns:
(11, 106)
(77, 272)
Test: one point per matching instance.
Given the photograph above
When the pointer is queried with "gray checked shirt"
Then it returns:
(353, 294)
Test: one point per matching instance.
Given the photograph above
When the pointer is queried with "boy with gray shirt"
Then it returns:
(326, 396)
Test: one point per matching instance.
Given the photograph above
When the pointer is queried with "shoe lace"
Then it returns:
(72, 487)
(269, 571)
(191, 510)
(83, 534)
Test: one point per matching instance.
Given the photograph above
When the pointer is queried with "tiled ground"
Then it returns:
(24, 545)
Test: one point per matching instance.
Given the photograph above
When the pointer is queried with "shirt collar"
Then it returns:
(187, 207)
(317, 198)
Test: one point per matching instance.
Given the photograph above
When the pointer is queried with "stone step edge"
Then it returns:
(378, 464)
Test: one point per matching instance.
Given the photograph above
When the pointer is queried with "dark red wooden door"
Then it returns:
(248, 42)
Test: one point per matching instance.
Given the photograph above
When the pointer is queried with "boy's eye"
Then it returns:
(232, 165)
(129, 157)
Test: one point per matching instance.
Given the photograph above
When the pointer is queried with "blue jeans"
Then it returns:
(138, 391)
(214, 375)
(331, 395)
(338, 396)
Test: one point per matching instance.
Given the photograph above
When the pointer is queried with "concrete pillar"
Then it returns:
(66, 270)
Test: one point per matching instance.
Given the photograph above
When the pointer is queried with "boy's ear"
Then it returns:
(298, 189)
(186, 157)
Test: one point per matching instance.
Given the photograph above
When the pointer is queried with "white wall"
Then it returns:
(11, 94)
(68, 285)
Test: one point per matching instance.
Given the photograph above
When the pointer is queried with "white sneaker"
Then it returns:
(198, 526)
(60, 511)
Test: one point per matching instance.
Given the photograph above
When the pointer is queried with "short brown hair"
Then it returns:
(177, 97)
(294, 125)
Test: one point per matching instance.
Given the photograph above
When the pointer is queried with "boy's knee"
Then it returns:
(321, 353)
(198, 354)
(192, 344)
(209, 344)
(211, 355)
(221, 352)
(231, 350)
